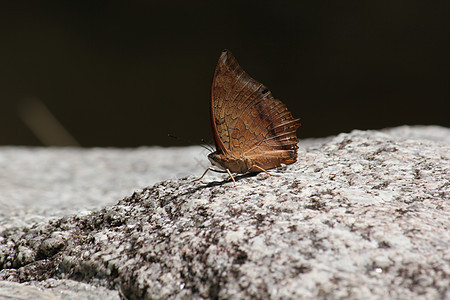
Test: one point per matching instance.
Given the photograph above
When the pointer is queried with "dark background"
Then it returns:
(126, 73)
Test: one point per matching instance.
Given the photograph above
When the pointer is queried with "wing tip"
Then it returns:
(225, 55)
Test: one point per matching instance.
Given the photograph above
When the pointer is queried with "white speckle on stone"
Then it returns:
(358, 196)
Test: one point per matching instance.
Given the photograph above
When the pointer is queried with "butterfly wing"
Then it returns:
(246, 119)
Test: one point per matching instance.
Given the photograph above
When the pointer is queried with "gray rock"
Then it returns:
(52, 289)
(360, 215)
(52, 182)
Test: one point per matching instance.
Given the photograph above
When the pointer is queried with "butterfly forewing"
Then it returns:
(247, 121)
(228, 95)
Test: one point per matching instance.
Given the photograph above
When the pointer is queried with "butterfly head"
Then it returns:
(217, 159)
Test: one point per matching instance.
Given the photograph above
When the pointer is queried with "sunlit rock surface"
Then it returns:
(360, 215)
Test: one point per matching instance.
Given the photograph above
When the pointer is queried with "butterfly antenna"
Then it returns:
(203, 144)
(207, 146)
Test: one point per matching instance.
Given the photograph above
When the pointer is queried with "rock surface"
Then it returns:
(360, 215)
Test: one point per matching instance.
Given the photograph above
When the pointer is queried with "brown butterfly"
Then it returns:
(252, 130)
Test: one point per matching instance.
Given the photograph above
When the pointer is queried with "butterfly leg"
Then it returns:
(200, 178)
(229, 173)
(211, 169)
(259, 168)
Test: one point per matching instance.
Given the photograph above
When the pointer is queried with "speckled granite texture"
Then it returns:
(360, 215)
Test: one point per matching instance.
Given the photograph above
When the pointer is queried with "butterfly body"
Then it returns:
(253, 163)
(252, 130)
(235, 165)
